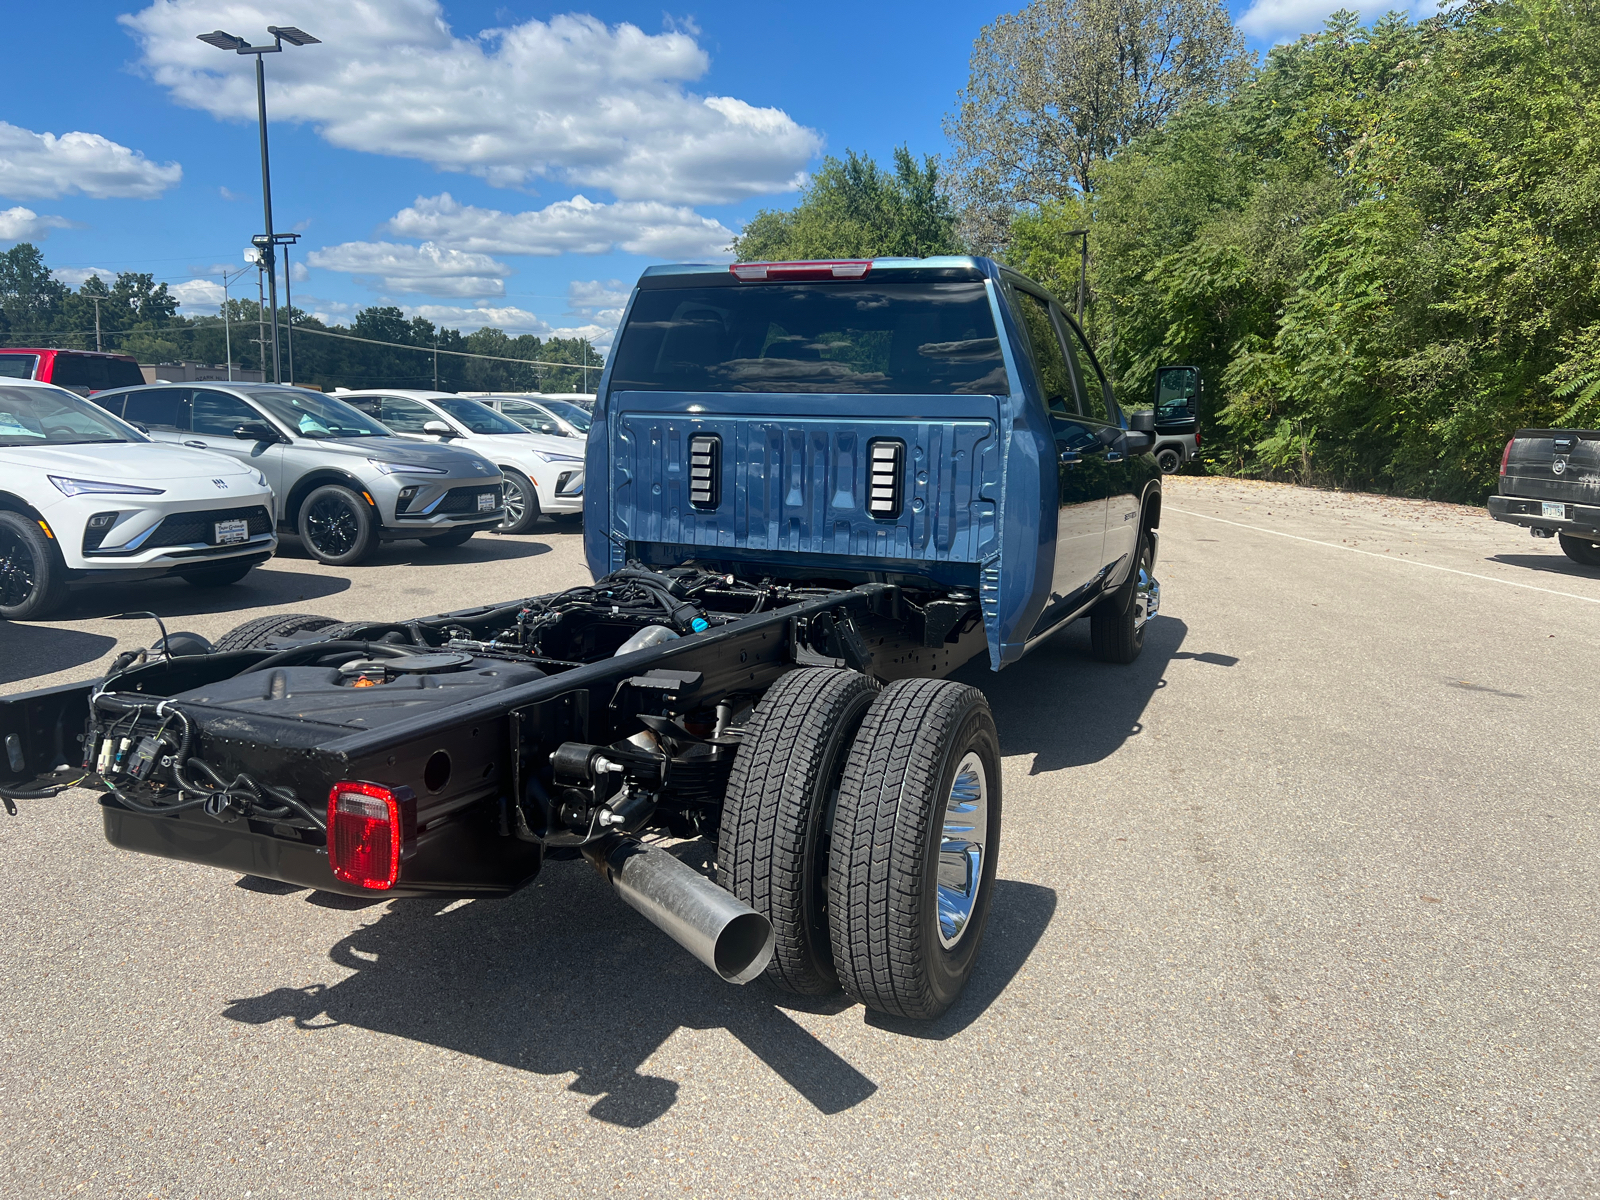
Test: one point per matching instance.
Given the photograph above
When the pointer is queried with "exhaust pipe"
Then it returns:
(716, 927)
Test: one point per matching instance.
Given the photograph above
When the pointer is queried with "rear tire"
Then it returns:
(1168, 459)
(1580, 550)
(772, 852)
(33, 579)
(522, 503)
(1117, 623)
(337, 526)
(915, 841)
(256, 632)
(443, 541)
(219, 576)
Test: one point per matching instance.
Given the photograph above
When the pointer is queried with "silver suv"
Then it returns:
(342, 481)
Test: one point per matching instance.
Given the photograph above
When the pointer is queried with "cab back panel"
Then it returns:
(798, 484)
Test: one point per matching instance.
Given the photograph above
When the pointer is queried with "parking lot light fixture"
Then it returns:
(223, 40)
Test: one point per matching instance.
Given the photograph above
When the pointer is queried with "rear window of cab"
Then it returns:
(871, 338)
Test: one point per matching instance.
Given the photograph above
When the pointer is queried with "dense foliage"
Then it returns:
(855, 209)
(139, 317)
(1383, 250)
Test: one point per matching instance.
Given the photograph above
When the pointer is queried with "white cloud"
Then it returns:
(198, 296)
(1284, 20)
(229, 194)
(571, 99)
(75, 277)
(299, 272)
(431, 269)
(24, 225)
(46, 166)
(587, 296)
(511, 319)
(576, 226)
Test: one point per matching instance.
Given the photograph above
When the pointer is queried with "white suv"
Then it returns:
(86, 498)
(544, 475)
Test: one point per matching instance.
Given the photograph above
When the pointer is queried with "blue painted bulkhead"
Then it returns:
(979, 504)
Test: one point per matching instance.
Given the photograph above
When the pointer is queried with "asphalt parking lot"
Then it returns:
(1300, 904)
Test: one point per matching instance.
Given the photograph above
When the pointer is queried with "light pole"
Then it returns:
(227, 41)
(96, 300)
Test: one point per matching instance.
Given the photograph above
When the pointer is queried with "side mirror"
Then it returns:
(439, 428)
(1144, 420)
(256, 431)
(1139, 441)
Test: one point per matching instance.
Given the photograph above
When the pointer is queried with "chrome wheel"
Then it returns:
(516, 507)
(331, 526)
(1146, 592)
(19, 574)
(961, 848)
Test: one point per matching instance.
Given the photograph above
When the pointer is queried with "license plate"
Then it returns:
(1556, 511)
(229, 532)
(486, 502)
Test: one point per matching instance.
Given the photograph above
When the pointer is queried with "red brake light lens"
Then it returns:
(1505, 456)
(365, 829)
(816, 269)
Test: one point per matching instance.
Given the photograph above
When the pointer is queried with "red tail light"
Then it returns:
(818, 269)
(367, 827)
(1505, 456)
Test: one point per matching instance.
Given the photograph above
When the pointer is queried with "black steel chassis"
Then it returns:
(482, 833)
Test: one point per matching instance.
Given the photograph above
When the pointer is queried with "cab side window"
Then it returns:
(404, 416)
(1093, 395)
(159, 408)
(219, 414)
(1049, 363)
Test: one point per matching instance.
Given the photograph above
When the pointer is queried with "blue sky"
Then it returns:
(519, 179)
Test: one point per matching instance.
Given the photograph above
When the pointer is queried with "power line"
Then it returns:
(64, 333)
(537, 362)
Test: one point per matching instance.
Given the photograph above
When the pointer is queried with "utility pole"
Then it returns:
(264, 242)
(286, 240)
(96, 300)
(227, 332)
(436, 360)
(261, 316)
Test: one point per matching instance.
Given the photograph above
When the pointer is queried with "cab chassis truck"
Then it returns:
(816, 489)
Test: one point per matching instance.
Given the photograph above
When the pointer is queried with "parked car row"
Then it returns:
(199, 482)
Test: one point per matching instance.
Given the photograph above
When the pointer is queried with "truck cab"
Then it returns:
(940, 422)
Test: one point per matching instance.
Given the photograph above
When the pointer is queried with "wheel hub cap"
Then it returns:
(961, 848)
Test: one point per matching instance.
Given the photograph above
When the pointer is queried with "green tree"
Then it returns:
(1384, 251)
(853, 208)
(1063, 85)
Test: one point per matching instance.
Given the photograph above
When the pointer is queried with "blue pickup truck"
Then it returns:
(815, 490)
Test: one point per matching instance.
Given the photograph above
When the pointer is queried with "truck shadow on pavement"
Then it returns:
(1549, 564)
(1068, 710)
(563, 978)
(28, 651)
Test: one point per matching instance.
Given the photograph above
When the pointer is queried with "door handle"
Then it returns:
(197, 445)
(1070, 458)
(1113, 456)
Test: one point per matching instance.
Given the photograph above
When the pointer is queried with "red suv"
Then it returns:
(81, 371)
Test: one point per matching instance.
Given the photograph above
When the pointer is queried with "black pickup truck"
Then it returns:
(1550, 484)
(814, 491)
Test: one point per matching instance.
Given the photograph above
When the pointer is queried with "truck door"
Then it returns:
(213, 418)
(1080, 455)
(1118, 472)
